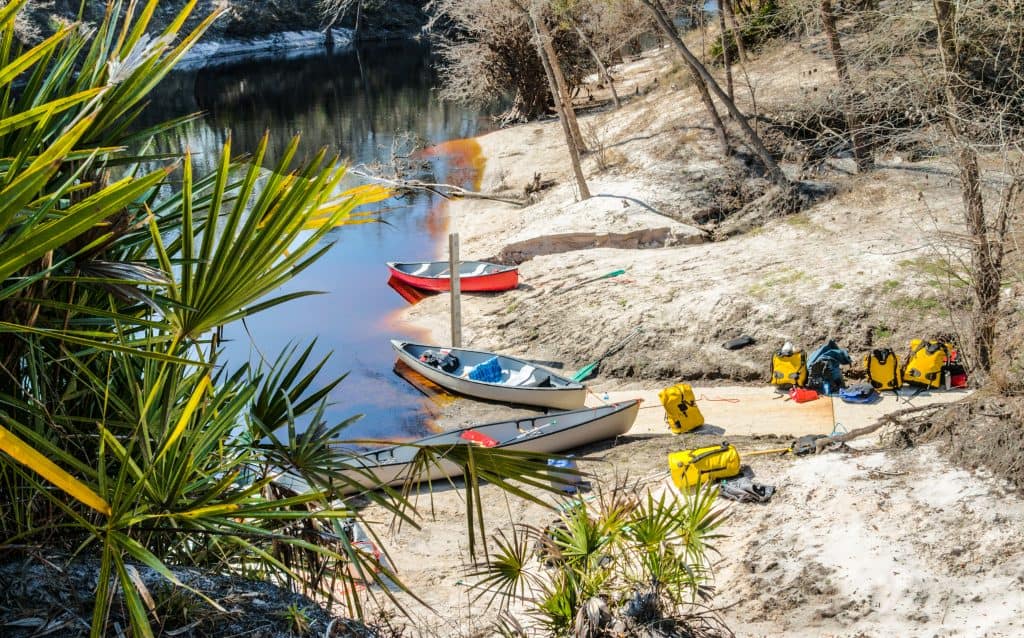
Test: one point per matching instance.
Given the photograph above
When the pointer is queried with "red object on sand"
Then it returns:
(474, 276)
(802, 395)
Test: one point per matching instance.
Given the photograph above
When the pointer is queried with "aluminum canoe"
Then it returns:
(548, 434)
(521, 383)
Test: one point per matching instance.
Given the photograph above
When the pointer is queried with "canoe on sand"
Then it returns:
(518, 382)
(474, 276)
(546, 434)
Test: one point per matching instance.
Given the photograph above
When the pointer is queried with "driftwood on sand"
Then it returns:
(893, 418)
(447, 191)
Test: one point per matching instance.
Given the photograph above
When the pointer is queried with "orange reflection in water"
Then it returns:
(465, 158)
(465, 167)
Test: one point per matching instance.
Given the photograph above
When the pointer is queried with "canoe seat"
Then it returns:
(422, 269)
(479, 270)
(523, 376)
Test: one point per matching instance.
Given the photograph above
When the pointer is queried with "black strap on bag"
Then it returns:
(721, 449)
(933, 346)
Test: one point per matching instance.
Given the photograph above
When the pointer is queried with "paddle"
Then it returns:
(614, 273)
(588, 369)
(557, 365)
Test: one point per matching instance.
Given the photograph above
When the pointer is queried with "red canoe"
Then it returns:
(474, 276)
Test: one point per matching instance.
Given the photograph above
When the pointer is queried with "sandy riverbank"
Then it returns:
(877, 542)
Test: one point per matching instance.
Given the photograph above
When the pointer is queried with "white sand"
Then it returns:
(884, 543)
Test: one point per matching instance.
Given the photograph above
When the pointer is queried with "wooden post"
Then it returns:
(456, 289)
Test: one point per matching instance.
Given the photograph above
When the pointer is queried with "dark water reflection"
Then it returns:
(356, 103)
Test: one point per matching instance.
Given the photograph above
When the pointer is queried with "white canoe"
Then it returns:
(548, 434)
(521, 383)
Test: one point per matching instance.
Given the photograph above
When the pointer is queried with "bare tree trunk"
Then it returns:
(359, 20)
(753, 139)
(560, 84)
(861, 152)
(698, 81)
(734, 25)
(563, 109)
(723, 38)
(606, 77)
(986, 251)
(742, 49)
(987, 273)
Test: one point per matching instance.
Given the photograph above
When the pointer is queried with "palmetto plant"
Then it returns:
(624, 555)
(123, 435)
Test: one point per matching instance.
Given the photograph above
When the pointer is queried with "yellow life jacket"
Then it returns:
(924, 365)
(681, 411)
(883, 369)
(690, 468)
(789, 369)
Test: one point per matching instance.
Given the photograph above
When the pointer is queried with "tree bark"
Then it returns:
(560, 106)
(357, 33)
(986, 250)
(698, 80)
(734, 25)
(775, 173)
(861, 152)
(742, 49)
(605, 75)
(560, 84)
(723, 38)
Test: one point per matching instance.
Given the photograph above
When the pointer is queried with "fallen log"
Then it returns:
(895, 418)
(447, 191)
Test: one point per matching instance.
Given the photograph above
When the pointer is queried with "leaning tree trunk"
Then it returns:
(986, 251)
(723, 38)
(536, 23)
(734, 26)
(561, 86)
(775, 173)
(698, 81)
(606, 77)
(861, 151)
(357, 34)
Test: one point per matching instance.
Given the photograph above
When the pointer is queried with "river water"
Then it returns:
(355, 102)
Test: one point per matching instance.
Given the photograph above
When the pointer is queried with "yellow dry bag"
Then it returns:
(789, 369)
(924, 365)
(883, 369)
(691, 468)
(681, 411)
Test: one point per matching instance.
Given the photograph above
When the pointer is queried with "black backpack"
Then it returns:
(823, 368)
(444, 360)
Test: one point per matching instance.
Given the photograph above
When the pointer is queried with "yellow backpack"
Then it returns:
(789, 369)
(693, 467)
(924, 365)
(681, 411)
(883, 369)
